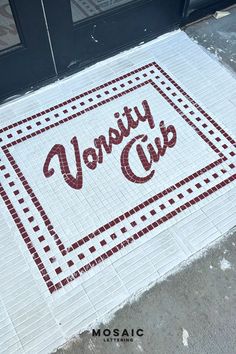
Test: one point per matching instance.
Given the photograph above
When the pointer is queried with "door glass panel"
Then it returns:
(82, 9)
(8, 32)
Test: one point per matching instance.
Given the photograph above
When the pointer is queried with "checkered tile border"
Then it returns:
(142, 218)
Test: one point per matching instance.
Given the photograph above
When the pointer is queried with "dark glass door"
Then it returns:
(85, 31)
(25, 55)
(42, 40)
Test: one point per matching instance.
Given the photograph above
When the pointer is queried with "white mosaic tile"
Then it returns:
(109, 179)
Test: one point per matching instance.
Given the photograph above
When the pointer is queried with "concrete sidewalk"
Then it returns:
(193, 311)
(218, 37)
(199, 302)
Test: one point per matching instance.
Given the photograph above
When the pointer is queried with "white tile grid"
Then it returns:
(215, 86)
(80, 105)
(84, 250)
(8, 335)
(23, 308)
(87, 306)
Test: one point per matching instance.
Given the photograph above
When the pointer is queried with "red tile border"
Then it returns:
(145, 230)
(65, 250)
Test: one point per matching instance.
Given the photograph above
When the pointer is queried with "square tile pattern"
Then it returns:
(105, 189)
(147, 151)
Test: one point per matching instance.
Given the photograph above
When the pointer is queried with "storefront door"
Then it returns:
(90, 30)
(44, 40)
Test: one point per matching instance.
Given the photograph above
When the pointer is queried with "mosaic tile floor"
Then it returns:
(109, 179)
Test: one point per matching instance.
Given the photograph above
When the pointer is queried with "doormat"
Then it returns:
(99, 186)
